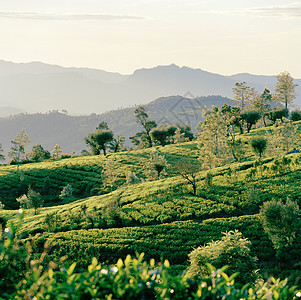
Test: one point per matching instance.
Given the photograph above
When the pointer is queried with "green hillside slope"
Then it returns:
(161, 218)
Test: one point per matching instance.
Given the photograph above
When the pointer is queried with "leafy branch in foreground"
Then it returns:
(131, 278)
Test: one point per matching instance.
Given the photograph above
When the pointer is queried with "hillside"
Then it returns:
(69, 131)
(84, 91)
(160, 218)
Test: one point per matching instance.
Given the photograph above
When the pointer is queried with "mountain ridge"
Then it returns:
(38, 87)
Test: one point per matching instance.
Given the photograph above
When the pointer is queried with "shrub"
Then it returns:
(296, 115)
(259, 145)
(66, 194)
(129, 279)
(281, 222)
(232, 250)
(24, 202)
(35, 199)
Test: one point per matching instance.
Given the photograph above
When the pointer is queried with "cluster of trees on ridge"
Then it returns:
(218, 138)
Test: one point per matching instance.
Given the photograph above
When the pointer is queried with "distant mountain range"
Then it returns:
(38, 87)
(69, 131)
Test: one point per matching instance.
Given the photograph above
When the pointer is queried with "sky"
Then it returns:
(224, 37)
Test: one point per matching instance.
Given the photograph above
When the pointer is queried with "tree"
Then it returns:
(259, 145)
(232, 250)
(188, 170)
(242, 95)
(35, 200)
(163, 135)
(1, 151)
(285, 88)
(117, 144)
(262, 104)
(281, 221)
(148, 125)
(251, 118)
(102, 126)
(110, 173)
(140, 140)
(99, 140)
(186, 131)
(295, 116)
(66, 194)
(285, 135)
(38, 153)
(277, 114)
(56, 152)
(155, 165)
(131, 178)
(179, 137)
(213, 138)
(24, 202)
(17, 151)
(234, 119)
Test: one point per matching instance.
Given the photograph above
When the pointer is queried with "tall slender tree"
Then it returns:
(285, 88)
(57, 151)
(148, 125)
(262, 104)
(213, 138)
(1, 151)
(17, 151)
(242, 95)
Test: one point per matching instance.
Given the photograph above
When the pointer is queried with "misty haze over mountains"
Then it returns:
(38, 87)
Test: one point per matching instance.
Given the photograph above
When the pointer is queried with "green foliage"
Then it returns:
(110, 173)
(251, 118)
(117, 144)
(213, 138)
(52, 222)
(35, 200)
(285, 88)
(278, 114)
(185, 131)
(232, 250)
(99, 140)
(262, 104)
(133, 278)
(163, 135)
(242, 95)
(285, 135)
(143, 138)
(13, 257)
(155, 165)
(56, 152)
(17, 151)
(24, 202)
(131, 178)
(66, 194)
(189, 171)
(259, 145)
(296, 115)
(38, 153)
(209, 179)
(1, 151)
(282, 223)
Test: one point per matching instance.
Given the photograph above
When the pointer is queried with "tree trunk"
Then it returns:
(194, 187)
(263, 118)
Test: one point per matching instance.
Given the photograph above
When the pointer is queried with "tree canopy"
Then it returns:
(285, 88)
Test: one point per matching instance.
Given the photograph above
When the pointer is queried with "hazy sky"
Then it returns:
(226, 37)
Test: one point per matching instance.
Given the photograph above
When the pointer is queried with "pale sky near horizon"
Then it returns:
(225, 37)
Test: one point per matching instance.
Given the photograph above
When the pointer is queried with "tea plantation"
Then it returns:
(161, 218)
